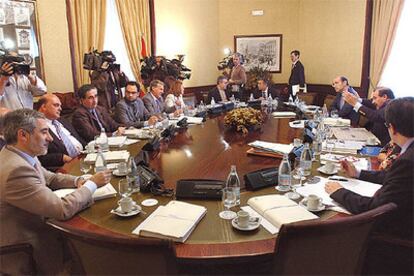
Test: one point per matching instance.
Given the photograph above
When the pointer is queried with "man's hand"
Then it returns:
(120, 131)
(349, 168)
(152, 120)
(66, 158)
(178, 112)
(178, 102)
(6, 70)
(101, 178)
(331, 187)
(350, 98)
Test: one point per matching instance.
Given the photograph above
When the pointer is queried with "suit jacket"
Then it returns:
(131, 113)
(56, 149)
(88, 127)
(214, 93)
(297, 75)
(347, 111)
(151, 105)
(26, 199)
(270, 91)
(376, 119)
(397, 187)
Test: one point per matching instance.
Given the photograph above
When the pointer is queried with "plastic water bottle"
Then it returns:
(325, 113)
(233, 181)
(251, 97)
(132, 176)
(213, 102)
(290, 99)
(284, 175)
(317, 144)
(102, 141)
(306, 160)
(100, 162)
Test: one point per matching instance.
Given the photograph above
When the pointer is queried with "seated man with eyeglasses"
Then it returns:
(131, 111)
(397, 187)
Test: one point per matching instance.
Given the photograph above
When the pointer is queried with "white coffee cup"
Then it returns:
(126, 204)
(243, 218)
(330, 167)
(313, 202)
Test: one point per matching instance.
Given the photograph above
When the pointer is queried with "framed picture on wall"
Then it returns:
(263, 51)
(20, 32)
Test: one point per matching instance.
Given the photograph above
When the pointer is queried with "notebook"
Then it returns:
(103, 192)
(279, 210)
(175, 221)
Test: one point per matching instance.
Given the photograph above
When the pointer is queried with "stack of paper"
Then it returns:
(353, 134)
(358, 186)
(280, 149)
(340, 146)
(359, 163)
(105, 191)
(279, 210)
(138, 133)
(284, 114)
(110, 156)
(116, 141)
(175, 221)
(337, 122)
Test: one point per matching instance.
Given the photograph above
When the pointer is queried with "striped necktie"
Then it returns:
(70, 148)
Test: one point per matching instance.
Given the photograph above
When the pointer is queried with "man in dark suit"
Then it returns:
(89, 118)
(297, 75)
(153, 100)
(264, 90)
(374, 110)
(131, 111)
(219, 93)
(397, 187)
(66, 143)
(345, 110)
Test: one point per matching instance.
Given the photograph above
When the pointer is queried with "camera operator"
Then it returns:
(17, 89)
(107, 81)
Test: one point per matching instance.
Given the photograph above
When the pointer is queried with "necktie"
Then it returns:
(70, 148)
(95, 115)
(158, 106)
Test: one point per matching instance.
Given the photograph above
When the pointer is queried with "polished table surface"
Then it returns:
(201, 151)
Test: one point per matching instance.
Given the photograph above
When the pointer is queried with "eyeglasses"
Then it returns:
(387, 125)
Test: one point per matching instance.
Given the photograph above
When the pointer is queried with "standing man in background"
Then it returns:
(297, 75)
(238, 76)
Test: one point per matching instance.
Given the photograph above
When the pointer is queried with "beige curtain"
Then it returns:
(134, 16)
(87, 19)
(384, 25)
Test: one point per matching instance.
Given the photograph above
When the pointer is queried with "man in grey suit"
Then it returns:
(131, 111)
(26, 196)
(153, 100)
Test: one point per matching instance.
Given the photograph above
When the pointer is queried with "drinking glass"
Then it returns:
(334, 113)
(330, 144)
(84, 167)
(124, 188)
(229, 200)
(297, 173)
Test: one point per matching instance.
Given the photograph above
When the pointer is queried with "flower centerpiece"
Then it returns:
(243, 118)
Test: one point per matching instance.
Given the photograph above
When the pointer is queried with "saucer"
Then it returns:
(323, 170)
(251, 226)
(149, 202)
(117, 173)
(135, 210)
(304, 202)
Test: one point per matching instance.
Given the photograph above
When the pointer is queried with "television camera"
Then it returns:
(100, 61)
(173, 67)
(19, 63)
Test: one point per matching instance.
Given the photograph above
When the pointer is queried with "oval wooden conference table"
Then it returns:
(201, 151)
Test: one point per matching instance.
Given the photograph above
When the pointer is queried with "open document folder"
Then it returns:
(360, 187)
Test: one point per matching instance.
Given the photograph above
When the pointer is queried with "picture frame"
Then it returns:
(20, 32)
(263, 51)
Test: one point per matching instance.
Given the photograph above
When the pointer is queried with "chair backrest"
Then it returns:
(97, 254)
(335, 246)
(329, 99)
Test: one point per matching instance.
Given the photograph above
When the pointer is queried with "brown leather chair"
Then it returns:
(329, 100)
(335, 246)
(95, 254)
(308, 98)
(25, 249)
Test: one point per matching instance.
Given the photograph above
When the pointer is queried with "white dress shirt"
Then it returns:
(74, 141)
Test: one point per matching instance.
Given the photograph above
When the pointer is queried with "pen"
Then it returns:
(338, 179)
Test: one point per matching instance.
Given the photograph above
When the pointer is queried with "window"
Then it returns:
(114, 40)
(398, 71)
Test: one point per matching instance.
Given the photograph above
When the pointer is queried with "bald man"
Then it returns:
(3, 112)
(66, 143)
